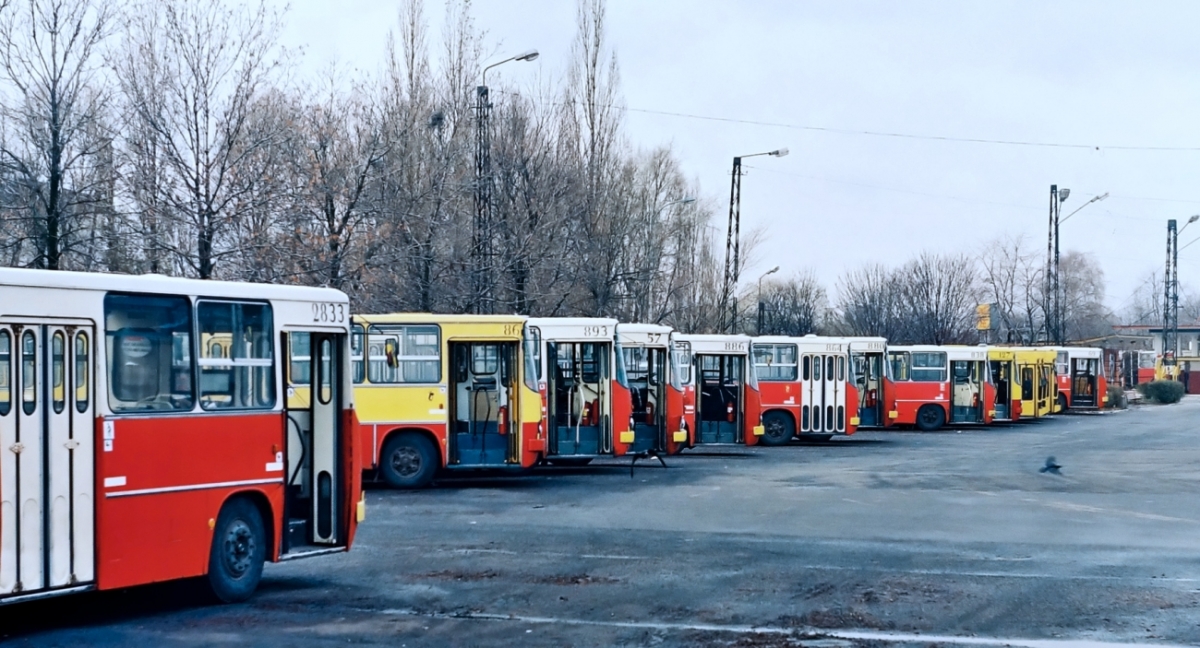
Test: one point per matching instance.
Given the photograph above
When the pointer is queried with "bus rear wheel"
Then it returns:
(1062, 402)
(408, 461)
(239, 548)
(930, 418)
(778, 429)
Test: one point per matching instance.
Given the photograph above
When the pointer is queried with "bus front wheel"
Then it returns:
(408, 461)
(239, 548)
(930, 418)
(777, 429)
(1062, 402)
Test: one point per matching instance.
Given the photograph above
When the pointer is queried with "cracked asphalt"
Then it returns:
(891, 534)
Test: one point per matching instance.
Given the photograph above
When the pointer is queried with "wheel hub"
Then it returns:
(406, 461)
(239, 548)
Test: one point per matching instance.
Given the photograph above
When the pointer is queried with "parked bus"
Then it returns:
(445, 393)
(728, 405)
(935, 385)
(657, 390)
(806, 387)
(1035, 371)
(135, 453)
(1137, 367)
(1080, 374)
(585, 389)
(872, 382)
(1002, 367)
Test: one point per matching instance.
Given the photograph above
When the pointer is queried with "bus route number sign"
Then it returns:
(735, 346)
(595, 331)
(329, 313)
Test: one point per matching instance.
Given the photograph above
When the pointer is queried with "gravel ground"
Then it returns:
(862, 541)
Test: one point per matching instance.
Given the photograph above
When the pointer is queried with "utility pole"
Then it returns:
(729, 302)
(482, 243)
(732, 251)
(1171, 297)
(481, 233)
(1053, 299)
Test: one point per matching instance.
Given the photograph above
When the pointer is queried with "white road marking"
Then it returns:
(750, 629)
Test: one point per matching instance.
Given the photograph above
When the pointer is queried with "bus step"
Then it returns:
(297, 532)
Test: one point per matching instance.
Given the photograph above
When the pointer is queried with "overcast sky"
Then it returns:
(1076, 73)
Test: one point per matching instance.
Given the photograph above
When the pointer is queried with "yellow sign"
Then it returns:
(983, 317)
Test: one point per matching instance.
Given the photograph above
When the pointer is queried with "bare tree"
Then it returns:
(796, 306)
(206, 66)
(1011, 275)
(1084, 313)
(57, 144)
(940, 294)
(869, 302)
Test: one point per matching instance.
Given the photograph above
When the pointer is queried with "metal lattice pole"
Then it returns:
(1170, 296)
(481, 240)
(732, 251)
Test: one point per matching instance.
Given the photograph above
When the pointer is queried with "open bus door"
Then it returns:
(869, 379)
(687, 379)
(483, 384)
(969, 396)
(578, 389)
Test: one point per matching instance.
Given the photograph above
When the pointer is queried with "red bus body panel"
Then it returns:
(622, 415)
(781, 396)
(689, 413)
(675, 419)
(910, 396)
(753, 413)
(851, 408)
(150, 537)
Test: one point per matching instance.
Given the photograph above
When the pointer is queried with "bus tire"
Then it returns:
(778, 428)
(239, 548)
(408, 461)
(930, 418)
(1062, 402)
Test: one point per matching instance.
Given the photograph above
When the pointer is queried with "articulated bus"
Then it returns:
(583, 381)
(145, 436)
(872, 382)
(1035, 370)
(1002, 365)
(661, 402)
(806, 387)
(935, 385)
(445, 392)
(1081, 382)
(728, 407)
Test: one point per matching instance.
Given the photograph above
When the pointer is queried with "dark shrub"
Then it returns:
(1161, 391)
(1116, 398)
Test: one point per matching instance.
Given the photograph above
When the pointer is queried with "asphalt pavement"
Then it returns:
(882, 538)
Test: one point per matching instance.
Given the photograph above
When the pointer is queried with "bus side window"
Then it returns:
(237, 360)
(357, 346)
(82, 371)
(300, 362)
(148, 339)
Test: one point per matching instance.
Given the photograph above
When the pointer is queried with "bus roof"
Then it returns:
(161, 284)
(437, 318)
(653, 335)
(952, 351)
(582, 328)
(717, 344)
(807, 343)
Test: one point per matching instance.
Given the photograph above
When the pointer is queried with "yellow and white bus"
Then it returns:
(443, 392)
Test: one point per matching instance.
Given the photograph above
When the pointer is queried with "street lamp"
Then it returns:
(733, 240)
(758, 298)
(1171, 291)
(481, 243)
(1054, 314)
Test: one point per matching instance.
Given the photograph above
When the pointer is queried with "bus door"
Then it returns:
(687, 426)
(312, 449)
(868, 377)
(676, 430)
(966, 404)
(720, 398)
(1084, 373)
(646, 370)
(483, 393)
(578, 398)
(821, 409)
(47, 455)
(1001, 378)
(1047, 394)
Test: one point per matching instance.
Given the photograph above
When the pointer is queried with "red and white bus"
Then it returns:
(872, 382)
(1081, 382)
(583, 383)
(145, 433)
(806, 387)
(935, 385)
(728, 404)
(656, 387)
